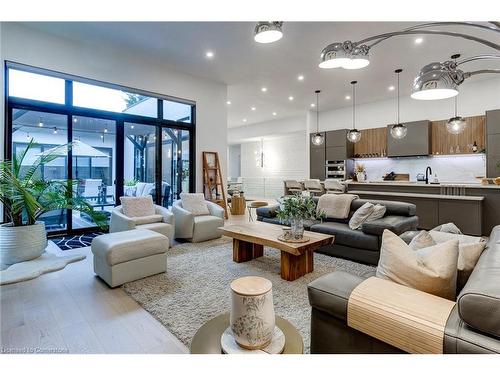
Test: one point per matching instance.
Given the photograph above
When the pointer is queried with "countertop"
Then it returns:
(422, 184)
(418, 195)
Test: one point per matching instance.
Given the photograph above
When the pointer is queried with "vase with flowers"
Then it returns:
(360, 171)
(294, 210)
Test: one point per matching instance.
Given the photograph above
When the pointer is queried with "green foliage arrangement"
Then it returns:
(299, 207)
(25, 196)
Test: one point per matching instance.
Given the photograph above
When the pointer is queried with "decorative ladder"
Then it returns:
(213, 186)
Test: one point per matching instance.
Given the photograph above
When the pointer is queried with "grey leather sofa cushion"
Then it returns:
(393, 207)
(346, 236)
(267, 211)
(330, 293)
(479, 300)
(396, 224)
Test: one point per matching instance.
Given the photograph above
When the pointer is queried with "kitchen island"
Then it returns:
(475, 208)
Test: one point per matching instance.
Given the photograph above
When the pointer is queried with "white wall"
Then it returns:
(283, 159)
(234, 161)
(124, 67)
(474, 99)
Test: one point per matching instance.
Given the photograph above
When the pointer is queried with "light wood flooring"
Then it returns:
(73, 311)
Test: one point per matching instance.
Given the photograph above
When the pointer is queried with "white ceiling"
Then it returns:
(246, 66)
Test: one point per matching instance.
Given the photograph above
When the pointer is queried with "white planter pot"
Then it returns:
(252, 312)
(361, 176)
(19, 244)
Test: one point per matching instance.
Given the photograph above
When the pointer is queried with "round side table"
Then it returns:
(255, 204)
(207, 338)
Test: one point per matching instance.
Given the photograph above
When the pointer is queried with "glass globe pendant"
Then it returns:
(353, 135)
(456, 125)
(398, 131)
(317, 139)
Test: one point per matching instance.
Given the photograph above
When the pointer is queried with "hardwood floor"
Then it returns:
(73, 311)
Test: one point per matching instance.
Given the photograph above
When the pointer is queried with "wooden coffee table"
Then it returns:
(297, 259)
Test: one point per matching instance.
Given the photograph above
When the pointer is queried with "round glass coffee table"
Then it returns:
(207, 339)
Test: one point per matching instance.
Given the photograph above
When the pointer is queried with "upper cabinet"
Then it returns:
(317, 160)
(373, 143)
(337, 145)
(416, 143)
(493, 143)
(445, 143)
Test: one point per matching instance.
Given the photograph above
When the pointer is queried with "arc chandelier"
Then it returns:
(437, 80)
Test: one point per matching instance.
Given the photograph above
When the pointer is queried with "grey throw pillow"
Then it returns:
(421, 240)
(448, 228)
(361, 215)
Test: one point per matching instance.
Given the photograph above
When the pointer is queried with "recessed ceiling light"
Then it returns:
(263, 89)
(300, 78)
(290, 98)
(228, 102)
(209, 54)
(274, 113)
(253, 108)
(419, 40)
(313, 105)
(391, 88)
(244, 120)
(347, 97)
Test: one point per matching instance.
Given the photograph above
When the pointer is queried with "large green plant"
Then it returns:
(25, 196)
(298, 207)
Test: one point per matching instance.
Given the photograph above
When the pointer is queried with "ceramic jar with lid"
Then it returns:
(252, 312)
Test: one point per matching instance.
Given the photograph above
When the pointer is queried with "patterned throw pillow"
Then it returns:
(194, 203)
(137, 206)
(448, 228)
(432, 269)
(378, 212)
(361, 215)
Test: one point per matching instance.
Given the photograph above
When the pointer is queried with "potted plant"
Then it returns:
(360, 171)
(25, 197)
(295, 209)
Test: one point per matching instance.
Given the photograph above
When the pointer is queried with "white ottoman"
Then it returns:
(130, 255)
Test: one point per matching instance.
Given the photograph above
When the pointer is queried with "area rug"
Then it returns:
(195, 287)
(49, 261)
(75, 242)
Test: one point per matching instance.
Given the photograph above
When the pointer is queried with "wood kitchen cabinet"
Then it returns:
(337, 145)
(373, 143)
(445, 143)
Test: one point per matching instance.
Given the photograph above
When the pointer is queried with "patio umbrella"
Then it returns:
(78, 148)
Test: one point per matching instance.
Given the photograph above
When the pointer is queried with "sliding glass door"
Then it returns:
(94, 150)
(47, 130)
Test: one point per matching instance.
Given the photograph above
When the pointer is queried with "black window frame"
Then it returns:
(120, 119)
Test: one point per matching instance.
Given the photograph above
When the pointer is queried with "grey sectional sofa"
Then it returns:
(472, 327)
(362, 245)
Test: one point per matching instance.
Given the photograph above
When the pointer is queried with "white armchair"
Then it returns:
(198, 228)
(161, 222)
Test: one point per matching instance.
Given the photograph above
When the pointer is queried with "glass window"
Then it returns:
(94, 141)
(36, 86)
(175, 111)
(139, 160)
(175, 164)
(106, 99)
(48, 130)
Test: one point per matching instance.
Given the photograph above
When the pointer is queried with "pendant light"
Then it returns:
(456, 124)
(268, 31)
(317, 139)
(354, 135)
(398, 131)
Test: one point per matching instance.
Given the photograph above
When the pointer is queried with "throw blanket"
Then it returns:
(336, 206)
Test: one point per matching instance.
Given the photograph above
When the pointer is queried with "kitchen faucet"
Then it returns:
(428, 172)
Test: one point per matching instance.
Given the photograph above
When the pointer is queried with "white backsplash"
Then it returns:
(459, 168)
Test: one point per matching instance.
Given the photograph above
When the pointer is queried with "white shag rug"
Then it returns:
(49, 261)
(195, 287)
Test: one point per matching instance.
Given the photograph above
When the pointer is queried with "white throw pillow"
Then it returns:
(432, 269)
(462, 238)
(378, 212)
(137, 206)
(194, 203)
(361, 214)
